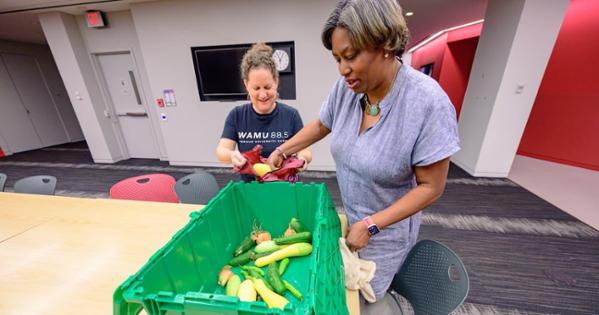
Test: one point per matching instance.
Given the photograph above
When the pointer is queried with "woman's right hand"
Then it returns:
(237, 159)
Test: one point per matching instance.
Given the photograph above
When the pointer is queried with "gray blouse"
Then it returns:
(417, 127)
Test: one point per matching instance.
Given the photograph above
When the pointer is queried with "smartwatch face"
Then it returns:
(373, 229)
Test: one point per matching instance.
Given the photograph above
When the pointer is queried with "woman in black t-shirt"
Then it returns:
(263, 121)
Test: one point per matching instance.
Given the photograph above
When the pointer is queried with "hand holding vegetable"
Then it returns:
(237, 159)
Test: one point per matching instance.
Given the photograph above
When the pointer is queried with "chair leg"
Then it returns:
(397, 298)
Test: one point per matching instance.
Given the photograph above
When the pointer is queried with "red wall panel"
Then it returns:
(431, 53)
(564, 122)
(452, 54)
(457, 63)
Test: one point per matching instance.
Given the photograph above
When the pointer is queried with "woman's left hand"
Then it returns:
(357, 237)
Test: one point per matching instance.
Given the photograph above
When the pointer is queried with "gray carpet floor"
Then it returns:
(524, 256)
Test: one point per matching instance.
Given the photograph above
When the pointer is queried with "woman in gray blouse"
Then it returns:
(393, 131)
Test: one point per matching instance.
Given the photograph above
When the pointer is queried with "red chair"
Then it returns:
(151, 187)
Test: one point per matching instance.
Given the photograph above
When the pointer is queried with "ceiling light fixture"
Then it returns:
(409, 13)
(432, 37)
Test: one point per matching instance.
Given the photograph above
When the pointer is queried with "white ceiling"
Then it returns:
(430, 16)
(25, 27)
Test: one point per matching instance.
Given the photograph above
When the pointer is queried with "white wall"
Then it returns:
(166, 31)
(56, 89)
(121, 36)
(512, 53)
(74, 63)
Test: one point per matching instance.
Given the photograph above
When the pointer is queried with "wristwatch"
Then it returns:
(372, 228)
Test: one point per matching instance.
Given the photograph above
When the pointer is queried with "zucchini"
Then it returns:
(258, 255)
(274, 279)
(244, 246)
(246, 292)
(303, 237)
(293, 250)
(297, 226)
(233, 285)
(242, 259)
(271, 298)
(268, 285)
(267, 247)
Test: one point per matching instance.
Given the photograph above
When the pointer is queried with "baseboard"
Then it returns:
(108, 161)
(478, 173)
(199, 164)
(558, 160)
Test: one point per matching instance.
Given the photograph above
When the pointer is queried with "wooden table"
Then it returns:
(62, 255)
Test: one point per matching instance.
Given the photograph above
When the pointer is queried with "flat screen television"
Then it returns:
(218, 75)
(427, 69)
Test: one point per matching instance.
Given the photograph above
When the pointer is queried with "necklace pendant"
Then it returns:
(373, 110)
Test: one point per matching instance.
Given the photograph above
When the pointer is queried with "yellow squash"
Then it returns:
(261, 169)
(271, 298)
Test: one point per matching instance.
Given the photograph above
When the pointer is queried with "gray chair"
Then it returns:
(2, 181)
(432, 278)
(40, 184)
(196, 188)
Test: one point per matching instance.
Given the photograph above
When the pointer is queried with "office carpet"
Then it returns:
(523, 255)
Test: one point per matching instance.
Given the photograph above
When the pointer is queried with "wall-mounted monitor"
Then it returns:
(427, 69)
(218, 76)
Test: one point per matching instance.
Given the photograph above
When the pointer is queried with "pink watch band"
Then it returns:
(368, 221)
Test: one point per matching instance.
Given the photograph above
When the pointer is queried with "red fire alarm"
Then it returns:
(95, 19)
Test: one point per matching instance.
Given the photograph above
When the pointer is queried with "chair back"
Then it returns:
(2, 181)
(197, 188)
(432, 278)
(150, 187)
(40, 184)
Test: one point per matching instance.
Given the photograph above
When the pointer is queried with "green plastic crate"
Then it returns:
(181, 277)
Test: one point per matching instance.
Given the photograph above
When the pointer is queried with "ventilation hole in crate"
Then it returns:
(143, 180)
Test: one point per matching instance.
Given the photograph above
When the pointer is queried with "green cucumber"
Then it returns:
(244, 246)
(303, 237)
(274, 279)
(297, 226)
(268, 285)
(242, 259)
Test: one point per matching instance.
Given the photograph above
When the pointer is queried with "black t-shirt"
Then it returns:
(248, 128)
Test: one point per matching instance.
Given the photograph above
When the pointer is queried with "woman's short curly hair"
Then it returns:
(371, 24)
(258, 57)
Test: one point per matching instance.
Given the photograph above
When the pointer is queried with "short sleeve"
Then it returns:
(298, 124)
(327, 111)
(438, 137)
(230, 129)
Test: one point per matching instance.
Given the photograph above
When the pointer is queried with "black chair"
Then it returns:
(197, 188)
(432, 278)
(40, 184)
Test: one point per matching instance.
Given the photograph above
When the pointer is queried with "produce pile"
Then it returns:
(262, 261)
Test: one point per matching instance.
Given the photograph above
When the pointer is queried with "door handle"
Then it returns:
(133, 114)
(134, 84)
